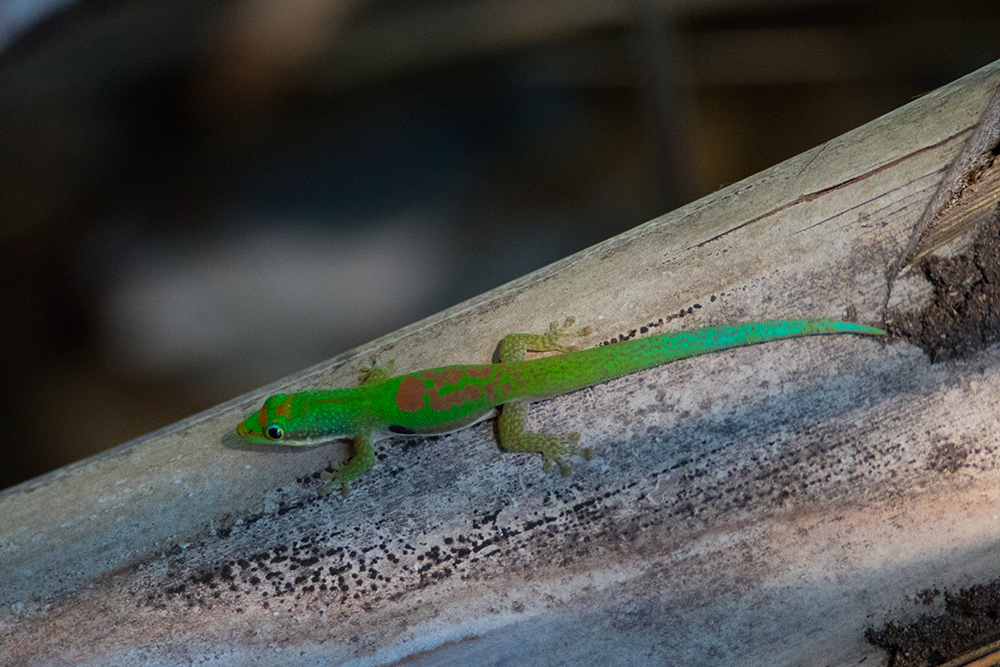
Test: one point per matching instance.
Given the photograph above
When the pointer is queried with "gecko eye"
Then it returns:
(274, 432)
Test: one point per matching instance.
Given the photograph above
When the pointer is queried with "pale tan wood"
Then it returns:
(760, 506)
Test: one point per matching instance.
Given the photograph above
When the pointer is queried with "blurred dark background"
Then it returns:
(198, 198)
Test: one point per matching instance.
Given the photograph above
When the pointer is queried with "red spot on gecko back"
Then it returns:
(411, 395)
(443, 377)
(446, 391)
(453, 399)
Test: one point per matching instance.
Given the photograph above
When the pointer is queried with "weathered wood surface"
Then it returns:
(764, 505)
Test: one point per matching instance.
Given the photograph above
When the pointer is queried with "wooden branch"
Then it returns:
(766, 505)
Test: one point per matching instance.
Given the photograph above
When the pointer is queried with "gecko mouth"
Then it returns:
(287, 441)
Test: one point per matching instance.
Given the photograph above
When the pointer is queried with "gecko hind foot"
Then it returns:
(553, 448)
(514, 346)
(556, 334)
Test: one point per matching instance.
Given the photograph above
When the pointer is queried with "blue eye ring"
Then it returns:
(274, 432)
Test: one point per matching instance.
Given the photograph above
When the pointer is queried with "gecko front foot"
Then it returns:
(334, 479)
(379, 371)
(343, 473)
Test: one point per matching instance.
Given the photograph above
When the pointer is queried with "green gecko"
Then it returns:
(446, 399)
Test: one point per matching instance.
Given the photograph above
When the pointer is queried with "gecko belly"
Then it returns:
(440, 429)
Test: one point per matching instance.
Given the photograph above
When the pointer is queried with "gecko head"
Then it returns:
(286, 419)
(277, 423)
(270, 423)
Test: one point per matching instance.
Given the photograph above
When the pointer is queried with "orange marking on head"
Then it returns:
(284, 409)
(453, 398)
(411, 395)
(262, 418)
